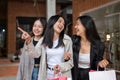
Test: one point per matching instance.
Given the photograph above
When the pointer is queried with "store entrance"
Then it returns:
(3, 32)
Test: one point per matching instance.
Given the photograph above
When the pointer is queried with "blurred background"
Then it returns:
(14, 13)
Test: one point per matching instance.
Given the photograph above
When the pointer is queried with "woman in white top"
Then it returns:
(55, 42)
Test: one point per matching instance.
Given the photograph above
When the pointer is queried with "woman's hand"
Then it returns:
(67, 56)
(56, 69)
(25, 35)
(103, 63)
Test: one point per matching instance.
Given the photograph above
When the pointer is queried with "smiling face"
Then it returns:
(79, 28)
(37, 28)
(59, 25)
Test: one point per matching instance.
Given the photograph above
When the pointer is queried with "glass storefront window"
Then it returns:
(2, 39)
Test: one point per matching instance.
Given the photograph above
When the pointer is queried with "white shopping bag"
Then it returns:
(102, 75)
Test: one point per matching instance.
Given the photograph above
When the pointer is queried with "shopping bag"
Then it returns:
(102, 75)
(58, 78)
(53, 78)
(62, 78)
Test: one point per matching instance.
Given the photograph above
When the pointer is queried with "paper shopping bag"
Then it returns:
(102, 75)
(53, 78)
(62, 78)
(58, 78)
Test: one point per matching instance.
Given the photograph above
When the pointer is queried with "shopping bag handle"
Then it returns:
(105, 69)
(59, 74)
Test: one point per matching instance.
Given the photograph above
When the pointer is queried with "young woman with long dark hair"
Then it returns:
(29, 67)
(56, 44)
(88, 49)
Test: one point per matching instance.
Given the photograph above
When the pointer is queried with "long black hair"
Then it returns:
(49, 32)
(43, 22)
(89, 25)
(91, 32)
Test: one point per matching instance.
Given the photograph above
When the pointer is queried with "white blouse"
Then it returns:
(54, 55)
(84, 60)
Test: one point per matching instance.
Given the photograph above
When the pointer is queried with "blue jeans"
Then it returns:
(35, 73)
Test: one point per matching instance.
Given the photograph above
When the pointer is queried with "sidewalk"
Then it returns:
(8, 78)
(8, 69)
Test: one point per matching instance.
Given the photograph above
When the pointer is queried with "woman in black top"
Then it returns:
(88, 49)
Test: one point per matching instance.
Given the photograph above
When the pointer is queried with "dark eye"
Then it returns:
(59, 21)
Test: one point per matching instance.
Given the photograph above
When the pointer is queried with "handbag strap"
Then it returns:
(105, 69)
(59, 74)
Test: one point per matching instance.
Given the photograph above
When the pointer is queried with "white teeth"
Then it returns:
(76, 29)
(36, 31)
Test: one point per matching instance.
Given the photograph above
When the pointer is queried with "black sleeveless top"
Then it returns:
(36, 60)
